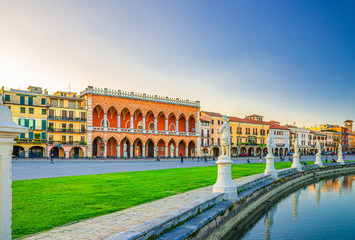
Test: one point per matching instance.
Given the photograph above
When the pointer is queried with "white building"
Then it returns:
(281, 138)
(303, 138)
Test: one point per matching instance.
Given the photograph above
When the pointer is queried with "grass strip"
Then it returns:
(41, 204)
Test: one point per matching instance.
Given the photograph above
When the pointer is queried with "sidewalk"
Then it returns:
(110, 224)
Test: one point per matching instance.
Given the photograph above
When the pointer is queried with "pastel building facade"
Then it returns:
(205, 134)
(29, 109)
(67, 117)
(128, 124)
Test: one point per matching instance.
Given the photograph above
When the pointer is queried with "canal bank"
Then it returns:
(214, 218)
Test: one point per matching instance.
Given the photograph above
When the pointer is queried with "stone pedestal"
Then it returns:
(319, 160)
(296, 162)
(8, 131)
(224, 182)
(340, 159)
(270, 167)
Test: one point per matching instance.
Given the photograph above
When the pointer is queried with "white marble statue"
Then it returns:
(295, 146)
(225, 136)
(269, 144)
(125, 150)
(319, 148)
(340, 149)
(172, 150)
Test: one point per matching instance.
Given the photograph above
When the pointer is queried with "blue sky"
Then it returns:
(286, 60)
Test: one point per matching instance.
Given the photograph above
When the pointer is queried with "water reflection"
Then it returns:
(331, 197)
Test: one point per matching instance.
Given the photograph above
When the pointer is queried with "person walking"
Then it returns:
(198, 158)
(181, 159)
(248, 160)
(260, 158)
(158, 160)
(51, 159)
(205, 159)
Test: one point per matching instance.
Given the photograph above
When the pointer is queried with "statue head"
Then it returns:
(225, 118)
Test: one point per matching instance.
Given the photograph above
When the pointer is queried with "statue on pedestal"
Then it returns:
(125, 150)
(225, 136)
(319, 155)
(172, 150)
(224, 182)
(340, 155)
(269, 144)
(296, 158)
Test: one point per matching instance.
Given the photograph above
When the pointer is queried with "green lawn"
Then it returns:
(42, 204)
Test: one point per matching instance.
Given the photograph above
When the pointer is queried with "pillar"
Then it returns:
(105, 121)
(118, 123)
(118, 151)
(66, 154)
(132, 126)
(143, 151)
(8, 131)
(131, 151)
(177, 127)
(186, 151)
(155, 151)
(270, 166)
(187, 127)
(177, 151)
(143, 128)
(166, 126)
(166, 152)
(296, 159)
(105, 150)
(155, 125)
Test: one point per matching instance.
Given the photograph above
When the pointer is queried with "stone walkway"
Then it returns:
(110, 224)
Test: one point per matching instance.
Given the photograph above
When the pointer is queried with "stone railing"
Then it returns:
(251, 184)
(287, 172)
(310, 167)
(139, 96)
(331, 164)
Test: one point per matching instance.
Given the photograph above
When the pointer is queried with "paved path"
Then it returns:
(31, 169)
(110, 224)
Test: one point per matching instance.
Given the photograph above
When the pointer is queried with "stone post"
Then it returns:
(177, 127)
(319, 156)
(143, 121)
(177, 151)
(296, 158)
(186, 152)
(340, 155)
(155, 151)
(166, 151)
(270, 167)
(8, 131)
(224, 182)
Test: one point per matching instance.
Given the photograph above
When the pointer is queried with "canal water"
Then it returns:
(324, 210)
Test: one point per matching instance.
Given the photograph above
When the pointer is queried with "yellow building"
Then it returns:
(29, 109)
(67, 125)
(248, 136)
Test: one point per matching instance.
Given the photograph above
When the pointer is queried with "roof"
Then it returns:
(349, 120)
(236, 119)
(213, 114)
(205, 118)
(254, 115)
(273, 125)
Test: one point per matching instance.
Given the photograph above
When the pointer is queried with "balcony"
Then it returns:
(144, 131)
(30, 141)
(70, 119)
(280, 144)
(76, 143)
(66, 130)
